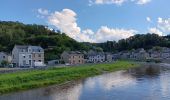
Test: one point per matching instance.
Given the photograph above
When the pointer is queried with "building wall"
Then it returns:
(3, 57)
(96, 58)
(76, 59)
(65, 57)
(109, 58)
(15, 57)
(38, 57)
(25, 59)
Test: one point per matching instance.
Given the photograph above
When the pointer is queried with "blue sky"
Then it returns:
(95, 21)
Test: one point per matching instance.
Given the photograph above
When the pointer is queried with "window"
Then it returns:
(79, 61)
(23, 56)
(39, 60)
(13, 56)
(24, 62)
(39, 55)
(3, 57)
(29, 56)
(29, 62)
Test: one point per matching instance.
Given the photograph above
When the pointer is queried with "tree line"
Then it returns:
(54, 42)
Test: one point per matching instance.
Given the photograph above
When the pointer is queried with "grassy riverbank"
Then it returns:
(33, 79)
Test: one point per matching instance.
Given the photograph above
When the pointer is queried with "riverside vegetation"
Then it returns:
(25, 80)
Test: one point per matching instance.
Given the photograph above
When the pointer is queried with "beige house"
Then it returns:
(27, 56)
(73, 57)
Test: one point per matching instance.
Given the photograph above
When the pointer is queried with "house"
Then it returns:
(139, 54)
(116, 56)
(124, 55)
(95, 57)
(72, 57)
(165, 53)
(5, 57)
(109, 57)
(27, 56)
(154, 54)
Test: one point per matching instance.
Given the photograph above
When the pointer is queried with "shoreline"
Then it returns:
(26, 80)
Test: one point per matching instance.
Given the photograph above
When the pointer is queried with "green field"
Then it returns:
(25, 80)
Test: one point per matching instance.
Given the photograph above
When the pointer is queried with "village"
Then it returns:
(23, 56)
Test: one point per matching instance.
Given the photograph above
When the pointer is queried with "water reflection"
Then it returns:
(149, 82)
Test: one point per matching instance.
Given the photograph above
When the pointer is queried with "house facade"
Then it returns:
(139, 54)
(73, 57)
(95, 57)
(109, 57)
(27, 56)
(5, 57)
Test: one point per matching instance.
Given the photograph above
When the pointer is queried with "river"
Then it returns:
(148, 82)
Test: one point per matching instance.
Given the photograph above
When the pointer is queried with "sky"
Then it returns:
(92, 20)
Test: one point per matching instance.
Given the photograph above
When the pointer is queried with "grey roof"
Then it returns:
(36, 48)
(25, 47)
(21, 46)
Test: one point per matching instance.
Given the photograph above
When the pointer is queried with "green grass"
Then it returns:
(25, 80)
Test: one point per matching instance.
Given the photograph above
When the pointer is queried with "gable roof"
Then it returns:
(25, 47)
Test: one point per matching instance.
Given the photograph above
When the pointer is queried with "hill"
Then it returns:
(54, 42)
(146, 41)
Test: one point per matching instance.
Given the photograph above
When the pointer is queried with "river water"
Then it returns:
(149, 82)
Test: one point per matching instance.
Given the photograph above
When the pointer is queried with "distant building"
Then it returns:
(5, 57)
(139, 54)
(154, 54)
(109, 57)
(165, 53)
(73, 57)
(95, 57)
(27, 56)
(124, 55)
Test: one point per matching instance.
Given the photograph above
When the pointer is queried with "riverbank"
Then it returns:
(25, 80)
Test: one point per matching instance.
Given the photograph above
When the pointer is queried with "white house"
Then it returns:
(95, 57)
(27, 56)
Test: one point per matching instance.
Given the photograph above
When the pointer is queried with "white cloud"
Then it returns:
(65, 20)
(104, 33)
(156, 31)
(142, 2)
(164, 24)
(117, 2)
(148, 19)
(42, 13)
